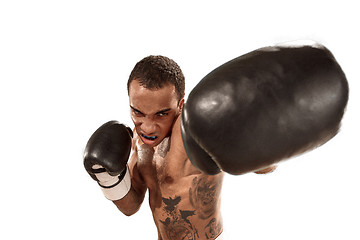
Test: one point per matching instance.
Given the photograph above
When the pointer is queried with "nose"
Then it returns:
(148, 126)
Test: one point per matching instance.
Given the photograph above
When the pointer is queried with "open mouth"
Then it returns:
(150, 138)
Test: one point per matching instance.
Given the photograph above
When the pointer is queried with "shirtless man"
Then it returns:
(185, 202)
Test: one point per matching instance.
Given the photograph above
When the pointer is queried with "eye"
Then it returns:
(163, 114)
(136, 112)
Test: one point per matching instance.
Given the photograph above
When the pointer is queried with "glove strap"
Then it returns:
(119, 189)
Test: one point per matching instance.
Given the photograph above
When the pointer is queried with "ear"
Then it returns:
(181, 103)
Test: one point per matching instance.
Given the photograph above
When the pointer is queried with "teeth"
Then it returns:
(148, 137)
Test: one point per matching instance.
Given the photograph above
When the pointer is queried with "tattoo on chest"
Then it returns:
(204, 196)
(177, 223)
(213, 229)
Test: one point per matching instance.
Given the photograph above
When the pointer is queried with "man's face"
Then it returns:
(153, 111)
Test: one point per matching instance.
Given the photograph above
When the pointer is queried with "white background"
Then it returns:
(63, 71)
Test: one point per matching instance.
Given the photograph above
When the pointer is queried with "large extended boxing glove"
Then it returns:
(105, 158)
(264, 107)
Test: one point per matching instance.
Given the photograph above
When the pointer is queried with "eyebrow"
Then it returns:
(158, 112)
(163, 111)
(136, 110)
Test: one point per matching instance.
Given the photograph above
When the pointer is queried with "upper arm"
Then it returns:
(176, 139)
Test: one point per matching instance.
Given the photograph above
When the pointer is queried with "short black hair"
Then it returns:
(153, 72)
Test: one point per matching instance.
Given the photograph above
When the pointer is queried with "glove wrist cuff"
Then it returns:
(119, 189)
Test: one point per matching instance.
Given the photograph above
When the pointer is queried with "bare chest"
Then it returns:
(163, 167)
(185, 203)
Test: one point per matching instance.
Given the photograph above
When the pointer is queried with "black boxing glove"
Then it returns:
(264, 107)
(105, 159)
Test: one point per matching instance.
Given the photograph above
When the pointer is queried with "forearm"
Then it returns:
(131, 203)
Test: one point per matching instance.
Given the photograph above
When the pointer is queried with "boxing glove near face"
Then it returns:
(264, 107)
(105, 158)
(108, 147)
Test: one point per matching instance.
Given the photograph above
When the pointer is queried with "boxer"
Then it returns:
(174, 151)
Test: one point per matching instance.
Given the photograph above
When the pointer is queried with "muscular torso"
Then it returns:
(185, 203)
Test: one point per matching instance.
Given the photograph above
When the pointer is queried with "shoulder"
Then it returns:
(176, 139)
(177, 150)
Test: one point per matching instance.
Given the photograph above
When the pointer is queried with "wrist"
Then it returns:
(118, 186)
